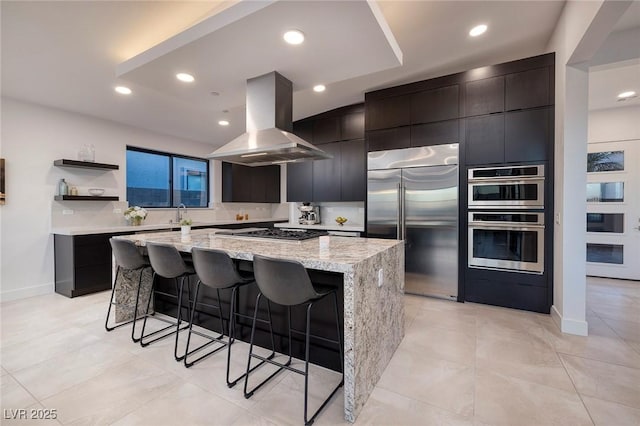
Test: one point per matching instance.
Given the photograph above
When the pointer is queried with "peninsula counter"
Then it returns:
(373, 284)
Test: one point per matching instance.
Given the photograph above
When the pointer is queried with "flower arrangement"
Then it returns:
(186, 222)
(135, 215)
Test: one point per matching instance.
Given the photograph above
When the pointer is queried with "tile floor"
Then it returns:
(458, 364)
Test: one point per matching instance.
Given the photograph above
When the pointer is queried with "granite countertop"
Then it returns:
(104, 229)
(339, 256)
(326, 227)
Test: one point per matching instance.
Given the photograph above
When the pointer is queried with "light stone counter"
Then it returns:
(373, 310)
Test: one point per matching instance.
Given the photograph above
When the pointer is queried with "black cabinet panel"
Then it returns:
(304, 129)
(484, 96)
(300, 181)
(353, 170)
(485, 139)
(244, 184)
(381, 140)
(388, 112)
(528, 89)
(508, 293)
(526, 135)
(352, 126)
(435, 133)
(326, 130)
(326, 175)
(435, 105)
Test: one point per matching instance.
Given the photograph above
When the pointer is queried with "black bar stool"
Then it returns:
(167, 263)
(287, 283)
(128, 258)
(216, 270)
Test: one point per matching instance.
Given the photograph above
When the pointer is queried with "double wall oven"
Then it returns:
(506, 218)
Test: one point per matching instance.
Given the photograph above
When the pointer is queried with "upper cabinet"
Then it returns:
(435, 105)
(244, 184)
(528, 89)
(340, 133)
(388, 112)
(484, 96)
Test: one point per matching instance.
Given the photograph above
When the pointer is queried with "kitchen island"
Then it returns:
(373, 285)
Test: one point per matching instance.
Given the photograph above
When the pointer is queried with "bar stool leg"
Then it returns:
(113, 292)
(307, 339)
(179, 319)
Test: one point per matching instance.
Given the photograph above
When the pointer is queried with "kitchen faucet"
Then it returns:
(179, 213)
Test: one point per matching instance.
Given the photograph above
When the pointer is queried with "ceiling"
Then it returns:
(71, 54)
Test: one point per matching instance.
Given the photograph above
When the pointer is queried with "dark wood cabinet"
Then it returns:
(485, 139)
(244, 184)
(528, 89)
(304, 129)
(352, 126)
(326, 130)
(527, 134)
(484, 96)
(300, 181)
(388, 112)
(435, 105)
(327, 176)
(353, 166)
(381, 140)
(82, 264)
(435, 133)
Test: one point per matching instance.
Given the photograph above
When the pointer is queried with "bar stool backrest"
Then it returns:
(215, 268)
(285, 282)
(127, 254)
(166, 260)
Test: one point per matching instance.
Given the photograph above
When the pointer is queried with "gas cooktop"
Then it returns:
(285, 234)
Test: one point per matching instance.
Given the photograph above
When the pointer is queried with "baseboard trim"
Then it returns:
(23, 293)
(569, 326)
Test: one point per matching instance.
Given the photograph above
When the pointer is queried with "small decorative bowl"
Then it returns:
(96, 192)
(341, 220)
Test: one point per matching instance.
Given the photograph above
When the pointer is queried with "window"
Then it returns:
(158, 179)
(608, 161)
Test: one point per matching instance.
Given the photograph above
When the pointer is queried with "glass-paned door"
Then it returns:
(613, 209)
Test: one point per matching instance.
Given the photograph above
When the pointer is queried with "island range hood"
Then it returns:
(268, 139)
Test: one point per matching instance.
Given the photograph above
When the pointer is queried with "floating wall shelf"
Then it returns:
(85, 198)
(85, 165)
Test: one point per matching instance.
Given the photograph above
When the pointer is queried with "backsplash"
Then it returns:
(100, 213)
(353, 211)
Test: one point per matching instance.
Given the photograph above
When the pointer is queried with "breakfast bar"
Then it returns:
(372, 273)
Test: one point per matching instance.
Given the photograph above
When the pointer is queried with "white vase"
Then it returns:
(185, 229)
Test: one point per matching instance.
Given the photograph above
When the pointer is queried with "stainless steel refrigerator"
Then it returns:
(413, 196)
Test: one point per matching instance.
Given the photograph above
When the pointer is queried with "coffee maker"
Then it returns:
(309, 215)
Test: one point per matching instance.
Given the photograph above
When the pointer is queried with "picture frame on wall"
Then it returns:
(2, 183)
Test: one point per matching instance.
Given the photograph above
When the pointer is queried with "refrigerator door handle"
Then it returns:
(399, 218)
(403, 192)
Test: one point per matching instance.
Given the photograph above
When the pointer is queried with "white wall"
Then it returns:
(615, 124)
(581, 30)
(32, 138)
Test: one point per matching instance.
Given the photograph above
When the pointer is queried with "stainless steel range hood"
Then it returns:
(268, 139)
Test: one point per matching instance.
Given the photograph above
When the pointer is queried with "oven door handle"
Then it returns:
(504, 226)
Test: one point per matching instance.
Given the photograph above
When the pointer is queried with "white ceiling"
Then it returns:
(67, 54)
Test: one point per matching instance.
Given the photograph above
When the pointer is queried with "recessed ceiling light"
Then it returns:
(626, 95)
(123, 90)
(183, 76)
(319, 88)
(223, 122)
(478, 30)
(293, 37)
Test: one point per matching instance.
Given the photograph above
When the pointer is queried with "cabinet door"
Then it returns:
(435, 133)
(528, 89)
(326, 130)
(300, 181)
(271, 177)
(485, 139)
(435, 105)
(484, 96)
(527, 135)
(381, 140)
(353, 169)
(236, 183)
(388, 112)
(352, 126)
(326, 174)
(304, 130)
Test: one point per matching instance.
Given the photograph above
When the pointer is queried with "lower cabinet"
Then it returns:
(82, 264)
